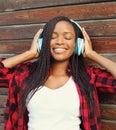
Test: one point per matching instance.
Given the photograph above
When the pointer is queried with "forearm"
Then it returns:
(13, 61)
(32, 53)
(104, 62)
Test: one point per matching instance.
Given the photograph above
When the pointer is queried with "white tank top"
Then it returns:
(57, 109)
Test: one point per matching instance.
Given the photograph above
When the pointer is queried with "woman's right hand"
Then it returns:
(34, 46)
(32, 53)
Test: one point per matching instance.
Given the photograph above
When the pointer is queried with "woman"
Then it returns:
(57, 91)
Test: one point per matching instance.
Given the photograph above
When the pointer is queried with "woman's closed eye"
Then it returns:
(68, 38)
(54, 36)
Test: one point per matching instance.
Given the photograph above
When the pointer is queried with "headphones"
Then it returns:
(79, 45)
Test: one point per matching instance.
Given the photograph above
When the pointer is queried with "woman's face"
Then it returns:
(63, 41)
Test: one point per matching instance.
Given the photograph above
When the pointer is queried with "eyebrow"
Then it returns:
(65, 33)
(69, 32)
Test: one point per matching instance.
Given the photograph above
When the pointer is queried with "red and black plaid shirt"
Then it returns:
(13, 78)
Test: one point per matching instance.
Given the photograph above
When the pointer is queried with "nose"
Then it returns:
(60, 40)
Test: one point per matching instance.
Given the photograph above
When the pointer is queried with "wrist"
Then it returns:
(91, 54)
(29, 55)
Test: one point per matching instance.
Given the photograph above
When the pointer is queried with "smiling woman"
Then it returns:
(57, 91)
(63, 41)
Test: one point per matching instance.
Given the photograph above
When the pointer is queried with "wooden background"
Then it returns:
(20, 20)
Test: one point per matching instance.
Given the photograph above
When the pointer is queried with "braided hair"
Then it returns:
(39, 70)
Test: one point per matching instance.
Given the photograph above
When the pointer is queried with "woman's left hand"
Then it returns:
(88, 44)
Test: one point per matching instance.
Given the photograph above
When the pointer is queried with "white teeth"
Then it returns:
(59, 49)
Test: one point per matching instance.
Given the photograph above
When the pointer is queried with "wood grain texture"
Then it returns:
(101, 45)
(100, 27)
(8, 5)
(1, 126)
(104, 45)
(107, 98)
(2, 100)
(1, 116)
(20, 20)
(3, 91)
(14, 46)
(76, 12)
(108, 125)
(94, 29)
(108, 112)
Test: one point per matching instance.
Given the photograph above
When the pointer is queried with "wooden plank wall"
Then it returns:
(20, 20)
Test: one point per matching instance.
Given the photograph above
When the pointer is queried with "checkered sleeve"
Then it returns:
(15, 74)
(3, 73)
(102, 79)
(12, 78)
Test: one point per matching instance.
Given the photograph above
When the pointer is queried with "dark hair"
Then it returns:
(40, 68)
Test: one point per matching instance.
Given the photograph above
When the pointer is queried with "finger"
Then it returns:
(38, 33)
(86, 36)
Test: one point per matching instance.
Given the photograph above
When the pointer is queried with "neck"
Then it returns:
(59, 69)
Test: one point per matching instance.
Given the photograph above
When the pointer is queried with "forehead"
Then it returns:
(64, 26)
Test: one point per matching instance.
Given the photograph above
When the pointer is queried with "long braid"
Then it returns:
(81, 77)
(39, 71)
(80, 74)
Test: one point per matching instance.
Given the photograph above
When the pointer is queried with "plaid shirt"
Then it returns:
(13, 78)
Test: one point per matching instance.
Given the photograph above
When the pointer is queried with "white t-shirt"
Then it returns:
(57, 109)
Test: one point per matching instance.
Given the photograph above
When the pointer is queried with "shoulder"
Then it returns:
(93, 70)
(20, 69)
(101, 78)
(99, 73)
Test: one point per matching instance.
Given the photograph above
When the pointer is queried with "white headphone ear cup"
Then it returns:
(80, 44)
(76, 47)
(40, 40)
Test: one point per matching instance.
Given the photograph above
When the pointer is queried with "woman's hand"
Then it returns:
(96, 57)
(32, 53)
(88, 44)
(34, 45)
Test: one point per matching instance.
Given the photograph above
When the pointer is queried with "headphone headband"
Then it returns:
(76, 24)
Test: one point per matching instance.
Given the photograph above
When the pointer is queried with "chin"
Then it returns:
(60, 59)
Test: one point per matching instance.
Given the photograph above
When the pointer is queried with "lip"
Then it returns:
(59, 49)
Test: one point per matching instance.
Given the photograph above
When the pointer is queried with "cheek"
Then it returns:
(72, 46)
(51, 45)
(52, 42)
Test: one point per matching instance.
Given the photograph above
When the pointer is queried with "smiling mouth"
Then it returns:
(59, 50)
